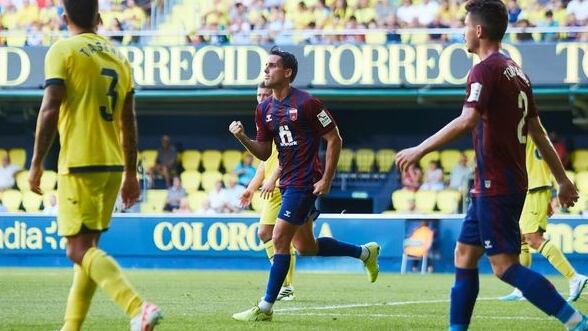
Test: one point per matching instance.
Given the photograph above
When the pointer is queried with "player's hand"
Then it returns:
(129, 191)
(321, 188)
(567, 194)
(35, 174)
(408, 156)
(245, 199)
(237, 128)
(267, 190)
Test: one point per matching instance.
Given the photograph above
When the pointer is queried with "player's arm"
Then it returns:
(334, 145)
(130, 188)
(568, 193)
(262, 146)
(45, 132)
(468, 119)
(269, 185)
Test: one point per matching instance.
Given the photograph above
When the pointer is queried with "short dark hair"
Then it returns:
(82, 12)
(492, 15)
(288, 59)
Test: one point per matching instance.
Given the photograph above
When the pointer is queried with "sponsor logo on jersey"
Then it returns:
(293, 114)
(324, 118)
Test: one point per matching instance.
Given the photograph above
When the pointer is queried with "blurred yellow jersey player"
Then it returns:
(89, 100)
(533, 224)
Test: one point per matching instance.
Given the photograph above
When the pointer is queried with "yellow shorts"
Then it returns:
(534, 215)
(86, 199)
(271, 208)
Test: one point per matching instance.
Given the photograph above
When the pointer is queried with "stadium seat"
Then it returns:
(345, 160)
(191, 180)
(148, 158)
(432, 156)
(18, 156)
(2, 153)
(209, 179)
(580, 160)
(449, 158)
(231, 158)
(401, 200)
(385, 159)
(425, 201)
(31, 201)
(581, 205)
(416, 247)
(471, 154)
(191, 159)
(196, 199)
(11, 199)
(211, 159)
(257, 202)
(448, 201)
(255, 162)
(22, 181)
(582, 182)
(157, 199)
(149, 208)
(48, 180)
(47, 195)
(364, 160)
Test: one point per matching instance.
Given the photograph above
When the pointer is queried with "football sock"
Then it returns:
(330, 247)
(290, 275)
(78, 302)
(269, 249)
(103, 270)
(539, 291)
(277, 275)
(463, 298)
(525, 256)
(557, 259)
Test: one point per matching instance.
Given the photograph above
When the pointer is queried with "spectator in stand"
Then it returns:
(51, 209)
(580, 10)
(524, 36)
(245, 171)
(166, 161)
(205, 209)
(392, 25)
(411, 180)
(407, 13)
(427, 11)
(437, 24)
(174, 195)
(560, 149)
(433, 177)
(116, 26)
(513, 11)
(447, 12)
(217, 198)
(571, 22)
(549, 22)
(184, 207)
(383, 9)
(320, 13)
(8, 172)
(233, 193)
(456, 37)
(460, 174)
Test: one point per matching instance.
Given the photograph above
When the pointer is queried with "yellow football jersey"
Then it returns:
(272, 162)
(538, 172)
(97, 79)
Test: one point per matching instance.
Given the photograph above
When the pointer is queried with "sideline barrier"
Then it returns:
(230, 242)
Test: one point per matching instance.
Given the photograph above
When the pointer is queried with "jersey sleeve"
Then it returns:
(55, 66)
(263, 133)
(532, 107)
(131, 85)
(320, 118)
(478, 89)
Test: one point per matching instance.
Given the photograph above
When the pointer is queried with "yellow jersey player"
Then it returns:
(533, 223)
(266, 176)
(89, 100)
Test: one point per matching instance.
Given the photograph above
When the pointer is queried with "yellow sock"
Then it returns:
(107, 274)
(525, 257)
(79, 300)
(290, 275)
(557, 259)
(269, 250)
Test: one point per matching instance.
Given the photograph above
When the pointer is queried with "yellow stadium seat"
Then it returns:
(47, 195)
(448, 201)
(31, 201)
(191, 180)
(48, 180)
(156, 198)
(211, 159)
(385, 159)
(196, 199)
(3, 152)
(364, 159)
(425, 201)
(401, 199)
(231, 158)
(22, 181)
(449, 158)
(255, 162)
(580, 206)
(11, 199)
(432, 156)
(148, 158)
(345, 160)
(18, 156)
(209, 179)
(191, 159)
(257, 202)
(149, 208)
(582, 181)
(471, 155)
(580, 160)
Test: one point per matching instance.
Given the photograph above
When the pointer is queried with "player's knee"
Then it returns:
(306, 250)
(463, 257)
(534, 241)
(75, 254)
(265, 234)
(281, 244)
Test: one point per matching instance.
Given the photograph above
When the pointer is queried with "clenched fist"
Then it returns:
(236, 128)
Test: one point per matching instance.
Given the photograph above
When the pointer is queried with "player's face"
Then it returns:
(471, 35)
(263, 93)
(275, 73)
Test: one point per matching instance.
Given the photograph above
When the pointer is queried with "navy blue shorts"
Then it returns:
(297, 205)
(493, 223)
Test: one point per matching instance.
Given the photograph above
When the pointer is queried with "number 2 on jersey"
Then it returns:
(107, 115)
(524, 106)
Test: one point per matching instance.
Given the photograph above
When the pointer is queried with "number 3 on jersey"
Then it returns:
(104, 110)
(524, 106)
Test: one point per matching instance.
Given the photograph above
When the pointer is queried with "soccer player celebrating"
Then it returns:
(266, 176)
(89, 99)
(533, 223)
(296, 122)
(500, 109)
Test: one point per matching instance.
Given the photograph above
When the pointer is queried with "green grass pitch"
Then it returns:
(34, 299)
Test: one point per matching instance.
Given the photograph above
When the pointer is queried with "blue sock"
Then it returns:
(539, 291)
(277, 276)
(463, 298)
(330, 247)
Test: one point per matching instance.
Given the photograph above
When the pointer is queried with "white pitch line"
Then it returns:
(518, 318)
